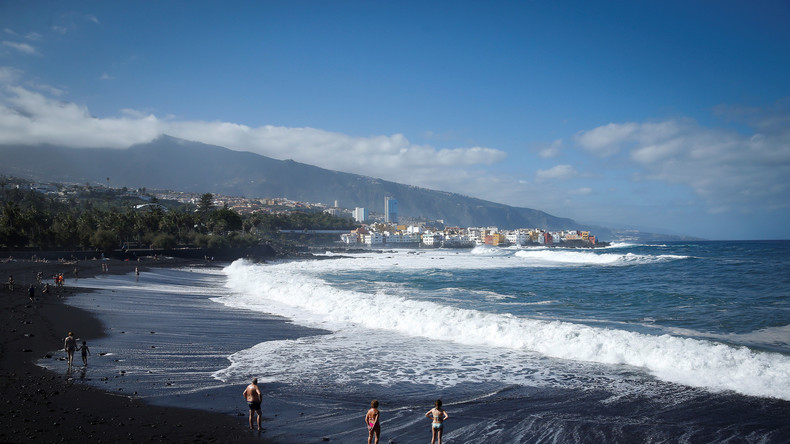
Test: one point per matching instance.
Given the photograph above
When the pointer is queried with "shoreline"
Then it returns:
(50, 407)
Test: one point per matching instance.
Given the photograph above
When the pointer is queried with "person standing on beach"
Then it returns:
(437, 416)
(70, 344)
(31, 292)
(372, 421)
(85, 352)
(253, 396)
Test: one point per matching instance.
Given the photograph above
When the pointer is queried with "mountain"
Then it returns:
(180, 165)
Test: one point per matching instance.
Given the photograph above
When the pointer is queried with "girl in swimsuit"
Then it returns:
(372, 421)
(437, 416)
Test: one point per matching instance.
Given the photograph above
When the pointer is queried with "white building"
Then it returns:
(373, 238)
(360, 214)
(518, 237)
(430, 238)
(350, 238)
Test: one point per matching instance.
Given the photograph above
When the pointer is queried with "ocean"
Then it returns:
(671, 342)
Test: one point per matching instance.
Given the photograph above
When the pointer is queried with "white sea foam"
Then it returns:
(296, 290)
(567, 257)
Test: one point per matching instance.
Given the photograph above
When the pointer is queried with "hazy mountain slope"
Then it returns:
(176, 164)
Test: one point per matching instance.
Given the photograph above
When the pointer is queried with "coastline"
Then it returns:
(46, 406)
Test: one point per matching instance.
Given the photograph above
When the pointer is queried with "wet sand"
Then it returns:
(45, 406)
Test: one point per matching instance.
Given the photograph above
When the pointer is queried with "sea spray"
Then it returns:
(297, 291)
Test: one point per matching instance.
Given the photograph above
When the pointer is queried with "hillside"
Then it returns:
(176, 164)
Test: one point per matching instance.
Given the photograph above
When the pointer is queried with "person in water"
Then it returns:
(437, 416)
(372, 421)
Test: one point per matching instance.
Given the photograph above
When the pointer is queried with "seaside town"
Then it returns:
(372, 229)
(390, 230)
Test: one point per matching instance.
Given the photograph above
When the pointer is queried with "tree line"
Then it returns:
(107, 222)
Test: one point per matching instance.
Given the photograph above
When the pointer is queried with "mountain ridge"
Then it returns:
(181, 165)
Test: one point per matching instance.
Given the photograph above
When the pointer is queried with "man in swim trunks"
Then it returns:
(253, 396)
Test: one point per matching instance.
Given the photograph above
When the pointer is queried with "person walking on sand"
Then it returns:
(31, 292)
(437, 416)
(253, 396)
(372, 421)
(70, 344)
(85, 352)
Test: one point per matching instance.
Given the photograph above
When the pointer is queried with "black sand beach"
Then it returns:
(45, 406)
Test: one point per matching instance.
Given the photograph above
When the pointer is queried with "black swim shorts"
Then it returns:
(255, 405)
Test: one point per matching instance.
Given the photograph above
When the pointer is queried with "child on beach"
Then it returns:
(85, 352)
(372, 421)
(437, 416)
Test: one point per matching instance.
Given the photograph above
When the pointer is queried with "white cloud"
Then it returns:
(21, 47)
(728, 169)
(583, 191)
(9, 75)
(28, 117)
(559, 172)
(551, 151)
(605, 140)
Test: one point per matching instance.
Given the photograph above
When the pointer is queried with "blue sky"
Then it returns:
(666, 116)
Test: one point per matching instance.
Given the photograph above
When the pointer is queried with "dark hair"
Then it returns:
(438, 403)
(254, 380)
(374, 403)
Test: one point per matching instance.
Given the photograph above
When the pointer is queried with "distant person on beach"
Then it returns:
(85, 352)
(70, 344)
(437, 416)
(372, 421)
(31, 292)
(253, 396)
(10, 282)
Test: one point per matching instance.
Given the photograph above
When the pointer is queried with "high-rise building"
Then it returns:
(390, 210)
(360, 214)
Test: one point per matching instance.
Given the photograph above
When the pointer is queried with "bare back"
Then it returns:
(252, 393)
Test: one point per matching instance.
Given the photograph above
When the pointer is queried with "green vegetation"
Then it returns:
(81, 217)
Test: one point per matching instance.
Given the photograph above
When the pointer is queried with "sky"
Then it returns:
(665, 116)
